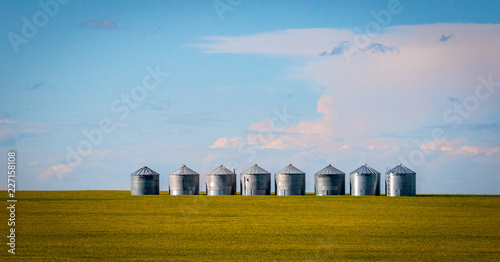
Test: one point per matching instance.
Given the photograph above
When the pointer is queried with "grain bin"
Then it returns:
(400, 181)
(221, 181)
(255, 181)
(365, 181)
(184, 181)
(329, 181)
(290, 181)
(145, 182)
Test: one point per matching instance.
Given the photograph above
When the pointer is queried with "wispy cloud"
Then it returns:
(7, 121)
(157, 105)
(334, 42)
(460, 146)
(445, 38)
(494, 127)
(42, 85)
(224, 142)
(37, 86)
(488, 127)
(379, 48)
(11, 130)
(291, 41)
(193, 119)
(55, 170)
(104, 24)
(345, 47)
(158, 29)
(61, 169)
(153, 32)
(339, 49)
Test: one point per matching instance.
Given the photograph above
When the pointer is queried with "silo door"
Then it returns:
(221, 192)
(190, 192)
(363, 191)
(398, 192)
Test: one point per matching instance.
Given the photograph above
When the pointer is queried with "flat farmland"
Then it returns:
(115, 226)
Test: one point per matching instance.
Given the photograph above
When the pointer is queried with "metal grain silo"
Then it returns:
(365, 181)
(329, 181)
(184, 181)
(290, 181)
(145, 182)
(255, 181)
(400, 181)
(221, 181)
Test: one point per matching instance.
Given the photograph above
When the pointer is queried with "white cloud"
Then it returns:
(305, 134)
(261, 126)
(227, 142)
(391, 92)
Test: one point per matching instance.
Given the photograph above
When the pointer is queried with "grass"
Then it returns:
(112, 225)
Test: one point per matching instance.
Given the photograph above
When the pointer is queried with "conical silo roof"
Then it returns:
(145, 171)
(221, 170)
(365, 170)
(184, 170)
(329, 170)
(290, 170)
(256, 170)
(401, 169)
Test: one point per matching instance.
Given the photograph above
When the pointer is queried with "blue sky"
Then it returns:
(269, 82)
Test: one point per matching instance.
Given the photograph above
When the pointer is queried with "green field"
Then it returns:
(112, 225)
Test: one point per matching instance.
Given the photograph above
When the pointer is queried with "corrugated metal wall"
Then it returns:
(329, 185)
(365, 184)
(184, 184)
(290, 184)
(221, 184)
(145, 185)
(400, 184)
(255, 184)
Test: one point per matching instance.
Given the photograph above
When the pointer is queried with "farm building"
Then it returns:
(255, 181)
(221, 181)
(365, 181)
(329, 181)
(145, 181)
(184, 181)
(400, 181)
(290, 181)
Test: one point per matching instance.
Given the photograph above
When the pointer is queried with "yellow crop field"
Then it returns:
(115, 226)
